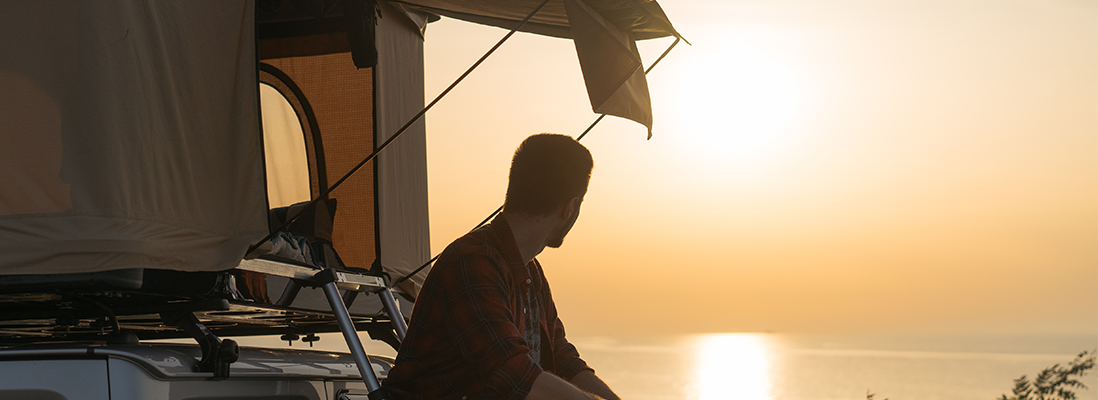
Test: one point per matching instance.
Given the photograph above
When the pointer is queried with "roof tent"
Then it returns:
(134, 140)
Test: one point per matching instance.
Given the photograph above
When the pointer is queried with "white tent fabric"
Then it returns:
(131, 136)
(402, 167)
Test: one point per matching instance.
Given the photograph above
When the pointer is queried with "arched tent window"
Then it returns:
(283, 149)
(292, 142)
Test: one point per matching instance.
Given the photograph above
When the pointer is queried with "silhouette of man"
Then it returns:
(484, 325)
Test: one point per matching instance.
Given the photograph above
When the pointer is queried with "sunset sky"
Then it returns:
(923, 166)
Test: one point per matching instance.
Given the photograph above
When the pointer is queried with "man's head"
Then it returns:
(547, 172)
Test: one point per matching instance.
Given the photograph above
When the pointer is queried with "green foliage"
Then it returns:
(1052, 383)
(869, 395)
(1055, 382)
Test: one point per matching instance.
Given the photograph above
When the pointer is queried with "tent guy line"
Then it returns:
(578, 138)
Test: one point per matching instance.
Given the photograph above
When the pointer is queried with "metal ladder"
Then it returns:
(332, 281)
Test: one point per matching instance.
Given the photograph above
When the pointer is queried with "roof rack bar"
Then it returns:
(217, 353)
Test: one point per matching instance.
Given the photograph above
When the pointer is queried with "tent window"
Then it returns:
(284, 150)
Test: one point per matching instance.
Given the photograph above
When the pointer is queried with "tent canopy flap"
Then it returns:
(641, 19)
(604, 32)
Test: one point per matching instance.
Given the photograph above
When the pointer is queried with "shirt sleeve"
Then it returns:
(568, 361)
(478, 316)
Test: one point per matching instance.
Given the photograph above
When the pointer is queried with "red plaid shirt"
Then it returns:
(465, 339)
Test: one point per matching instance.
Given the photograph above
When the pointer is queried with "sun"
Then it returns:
(736, 97)
(733, 366)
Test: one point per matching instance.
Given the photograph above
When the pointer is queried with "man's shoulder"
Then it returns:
(474, 257)
(481, 245)
(480, 241)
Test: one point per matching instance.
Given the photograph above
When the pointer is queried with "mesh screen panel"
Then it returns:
(341, 98)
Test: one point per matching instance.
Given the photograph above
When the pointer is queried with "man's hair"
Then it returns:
(547, 171)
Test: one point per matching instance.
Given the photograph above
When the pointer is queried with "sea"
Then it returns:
(776, 366)
(764, 366)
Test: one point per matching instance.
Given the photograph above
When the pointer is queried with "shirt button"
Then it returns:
(527, 281)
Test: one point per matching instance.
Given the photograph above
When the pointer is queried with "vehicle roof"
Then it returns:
(177, 361)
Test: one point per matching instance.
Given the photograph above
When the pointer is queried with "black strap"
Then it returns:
(380, 394)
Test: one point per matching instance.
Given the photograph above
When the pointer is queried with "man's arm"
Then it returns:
(550, 387)
(589, 382)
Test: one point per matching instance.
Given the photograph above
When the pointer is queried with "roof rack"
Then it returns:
(122, 306)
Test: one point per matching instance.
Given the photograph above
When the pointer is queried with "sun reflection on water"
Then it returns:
(732, 366)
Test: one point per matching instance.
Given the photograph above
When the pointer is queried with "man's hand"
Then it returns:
(587, 381)
(550, 387)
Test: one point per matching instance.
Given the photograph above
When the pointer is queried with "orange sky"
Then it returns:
(842, 166)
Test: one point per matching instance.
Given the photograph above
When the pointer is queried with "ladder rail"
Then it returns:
(350, 334)
(393, 309)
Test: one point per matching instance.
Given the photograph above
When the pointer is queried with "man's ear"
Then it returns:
(570, 207)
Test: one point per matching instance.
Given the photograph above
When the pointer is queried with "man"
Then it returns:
(484, 325)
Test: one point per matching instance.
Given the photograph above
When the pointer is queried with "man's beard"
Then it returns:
(556, 239)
